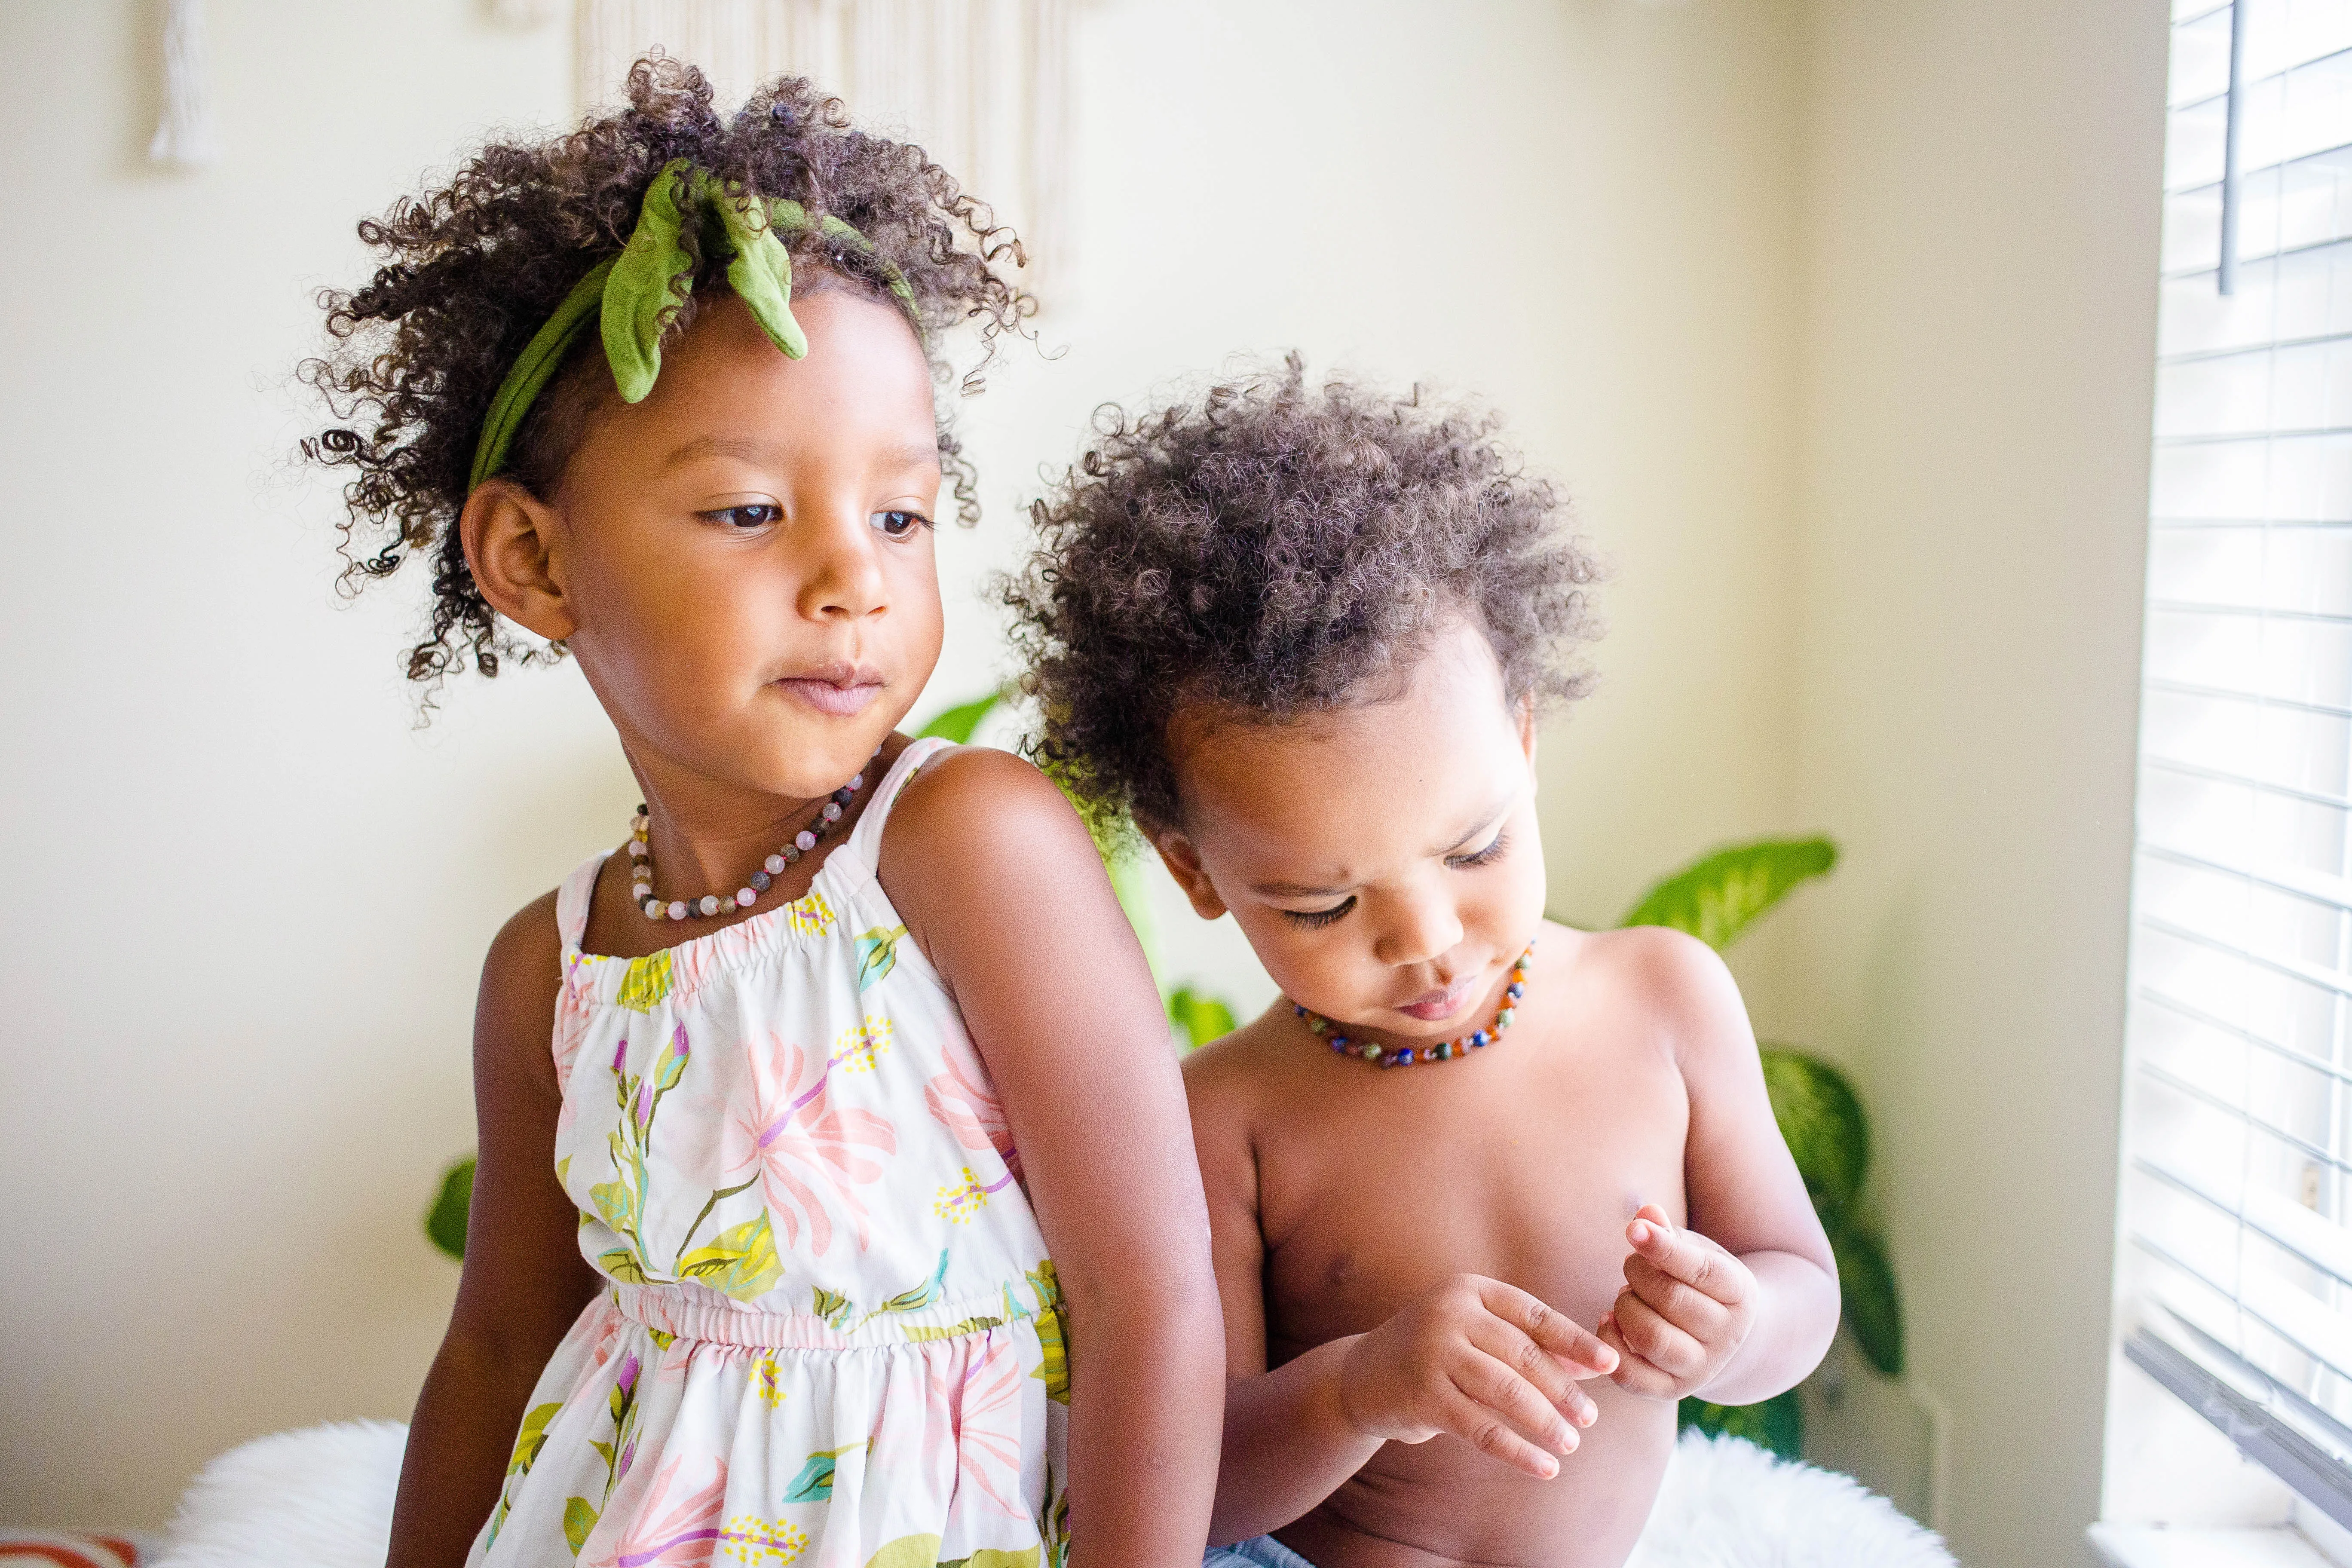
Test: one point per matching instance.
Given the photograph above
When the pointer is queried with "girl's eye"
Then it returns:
(1313, 918)
(1487, 856)
(898, 523)
(756, 514)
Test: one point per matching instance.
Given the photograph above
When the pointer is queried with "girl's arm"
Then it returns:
(1744, 1303)
(1002, 889)
(524, 1280)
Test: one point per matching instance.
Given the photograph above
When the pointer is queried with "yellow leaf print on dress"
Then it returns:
(877, 955)
(740, 1263)
(645, 983)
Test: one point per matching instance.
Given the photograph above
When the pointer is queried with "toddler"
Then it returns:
(1303, 637)
(833, 1165)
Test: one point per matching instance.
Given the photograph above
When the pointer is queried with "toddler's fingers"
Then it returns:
(1554, 1330)
(1687, 1256)
(1506, 1403)
(1553, 1378)
(1633, 1374)
(1685, 1306)
(1654, 1340)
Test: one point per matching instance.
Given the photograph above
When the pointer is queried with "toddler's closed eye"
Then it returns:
(1494, 851)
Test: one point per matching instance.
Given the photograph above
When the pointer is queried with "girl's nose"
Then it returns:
(844, 581)
(1417, 931)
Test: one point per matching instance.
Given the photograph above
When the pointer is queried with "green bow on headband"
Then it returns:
(630, 295)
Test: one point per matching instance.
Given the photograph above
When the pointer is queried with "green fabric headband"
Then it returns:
(630, 295)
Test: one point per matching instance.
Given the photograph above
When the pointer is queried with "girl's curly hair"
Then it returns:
(473, 268)
(1272, 551)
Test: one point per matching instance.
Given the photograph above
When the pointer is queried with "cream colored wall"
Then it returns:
(250, 896)
(1979, 262)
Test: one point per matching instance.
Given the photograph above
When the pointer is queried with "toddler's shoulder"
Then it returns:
(1670, 980)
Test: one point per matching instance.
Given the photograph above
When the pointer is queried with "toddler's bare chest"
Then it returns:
(1387, 1181)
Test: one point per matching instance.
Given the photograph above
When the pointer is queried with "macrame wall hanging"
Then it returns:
(184, 136)
(983, 85)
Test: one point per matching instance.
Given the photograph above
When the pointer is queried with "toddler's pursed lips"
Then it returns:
(1433, 1006)
(841, 689)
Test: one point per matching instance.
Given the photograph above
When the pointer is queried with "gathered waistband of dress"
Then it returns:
(689, 1312)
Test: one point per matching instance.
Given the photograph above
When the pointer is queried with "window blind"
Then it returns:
(2238, 1139)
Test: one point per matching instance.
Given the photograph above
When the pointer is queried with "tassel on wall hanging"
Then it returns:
(982, 85)
(184, 136)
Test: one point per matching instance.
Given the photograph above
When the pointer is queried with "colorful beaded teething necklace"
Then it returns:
(1443, 1050)
(642, 854)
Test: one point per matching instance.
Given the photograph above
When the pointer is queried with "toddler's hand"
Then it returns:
(1686, 1307)
(1484, 1361)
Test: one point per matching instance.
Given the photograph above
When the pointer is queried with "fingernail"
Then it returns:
(1642, 1228)
(1552, 1467)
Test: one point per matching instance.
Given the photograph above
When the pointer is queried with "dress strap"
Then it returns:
(572, 900)
(865, 839)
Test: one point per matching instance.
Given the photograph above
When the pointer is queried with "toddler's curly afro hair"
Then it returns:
(474, 268)
(1270, 551)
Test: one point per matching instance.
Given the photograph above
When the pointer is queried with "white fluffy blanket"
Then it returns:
(321, 1497)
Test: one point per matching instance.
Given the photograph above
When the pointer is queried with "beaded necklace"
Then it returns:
(642, 872)
(1443, 1050)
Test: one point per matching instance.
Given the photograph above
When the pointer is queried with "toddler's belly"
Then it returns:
(1441, 1503)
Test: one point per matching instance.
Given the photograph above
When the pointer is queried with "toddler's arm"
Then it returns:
(524, 1280)
(1002, 889)
(1743, 1304)
(1473, 1357)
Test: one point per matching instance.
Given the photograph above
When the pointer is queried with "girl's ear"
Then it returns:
(509, 535)
(1184, 863)
(1527, 728)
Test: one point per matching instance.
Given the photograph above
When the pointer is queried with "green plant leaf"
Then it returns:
(1202, 1017)
(1822, 1121)
(1717, 896)
(958, 722)
(1776, 1425)
(1872, 1310)
(444, 1222)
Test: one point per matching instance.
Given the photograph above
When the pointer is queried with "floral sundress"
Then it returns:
(831, 1334)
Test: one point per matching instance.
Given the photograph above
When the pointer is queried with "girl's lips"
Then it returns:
(837, 699)
(1439, 1005)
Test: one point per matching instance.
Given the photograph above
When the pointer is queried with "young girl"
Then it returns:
(1301, 635)
(782, 1110)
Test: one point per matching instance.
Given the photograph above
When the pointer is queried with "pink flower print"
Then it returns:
(682, 1537)
(627, 1379)
(963, 1101)
(986, 1395)
(795, 1142)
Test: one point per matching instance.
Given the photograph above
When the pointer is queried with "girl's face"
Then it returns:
(743, 562)
(1382, 859)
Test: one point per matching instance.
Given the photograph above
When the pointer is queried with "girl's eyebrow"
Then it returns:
(911, 455)
(719, 446)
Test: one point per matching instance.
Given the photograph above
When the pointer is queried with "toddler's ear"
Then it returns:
(1184, 863)
(1527, 727)
(508, 536)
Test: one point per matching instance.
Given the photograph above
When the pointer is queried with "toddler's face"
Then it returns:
(1382, 859)
(746, 555)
